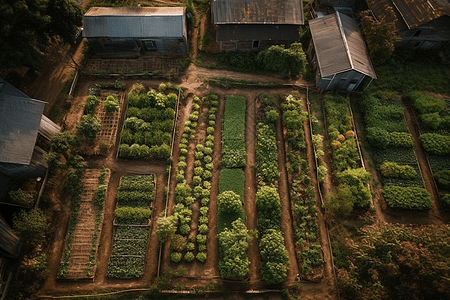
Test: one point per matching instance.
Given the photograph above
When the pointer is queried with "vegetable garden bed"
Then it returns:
(434, 117)
(134, 198)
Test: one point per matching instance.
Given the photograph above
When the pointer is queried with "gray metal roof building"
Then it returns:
(134, 22)
(257, 12)
(339, 47)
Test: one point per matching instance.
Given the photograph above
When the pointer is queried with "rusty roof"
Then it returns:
(411, 13)
(340, 45)
(258, 12)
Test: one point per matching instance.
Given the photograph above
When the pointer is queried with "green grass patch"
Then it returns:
(233, 134)
(232, 180)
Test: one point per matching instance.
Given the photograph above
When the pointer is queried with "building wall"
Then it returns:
(432, 35)
(125, 47)
(341, 81)
(252, 45)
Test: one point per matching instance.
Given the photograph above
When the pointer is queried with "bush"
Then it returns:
(21, 197)
(91, 103)
(203, 229)
(111, 104)
(274, 257)
(357, 180)
(435, 143)
(165, 228)
(268, 205)
(443, 179)
(377, 137)
(229, 202)
(89, 126)
(176, 256)
(289, 62)
(135, 215)
(201, 256)
(400, 139)
(339, 203)
(189, 256)
(431, 120)
(31, 225)
(394, 170)
(414, 198)
(446, 201)
(425, 104)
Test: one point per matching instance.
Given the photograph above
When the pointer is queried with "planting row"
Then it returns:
(232, 232)
(134, 198)
(306, 228)
(434, 116)
(189, 240)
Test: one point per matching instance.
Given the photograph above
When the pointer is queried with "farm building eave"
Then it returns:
(242, 32)
(257, 12)
(20, 118)
(135, 22)
(340, 46)
(411, 13)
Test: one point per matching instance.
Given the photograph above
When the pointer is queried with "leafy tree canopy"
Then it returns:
(26, 26)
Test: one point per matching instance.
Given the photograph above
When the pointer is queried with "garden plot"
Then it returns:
(149, 123)
(107, 136)
(78, 261)
(434, 116)
(303, 204)
(135, 195)
(193, 189)
(393, 152)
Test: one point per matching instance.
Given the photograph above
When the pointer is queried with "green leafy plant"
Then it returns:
(413, 198)
(111, 104)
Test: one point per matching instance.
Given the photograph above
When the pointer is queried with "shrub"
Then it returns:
(425, 104)
(203, 229)
(229, 202)
(394, 170)
(400, 139)
(185, 229)
(274, 257)
(271, 115)
(91, 103)
(89, 126)
(31, 225)
(435, 143)
(190, 246)
(446, 201)
(414, 198)
(268, 205)
(176, 256)
(339, 203)
(201, 239)
(21, 197)
(165, 228)
(111, 104)
(288, 62)
(443, 179)
(177, 243)
(201, 256)
(357, 180)
(378, 137)
(139, 215)
(189, 256)
(431, 120)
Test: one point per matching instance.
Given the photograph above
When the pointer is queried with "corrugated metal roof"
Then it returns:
(411, 13)
(246, 32)
(48, 128)
(340, 45)
(138, 22)
(20, 117)
(258, 12)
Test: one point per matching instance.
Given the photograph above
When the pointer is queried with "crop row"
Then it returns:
(185, 243)
(232, 232)
(274, 257)
(394, 157)
(131, 229)
(306, 228)
(434, 115)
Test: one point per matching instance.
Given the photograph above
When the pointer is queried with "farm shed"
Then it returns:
(134, 31)
(22, 124)
(338, 54)
(422, 24)
(246, 25)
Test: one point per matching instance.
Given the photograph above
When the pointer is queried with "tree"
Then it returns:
(381, 34)
(339, 203)
(229, 202)
(89, 126)
(27, 26)
(63, 141)
(31, 225)
(289, 62)
(166, 228)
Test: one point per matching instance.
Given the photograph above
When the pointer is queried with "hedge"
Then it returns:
(414, 198)
(435, 143)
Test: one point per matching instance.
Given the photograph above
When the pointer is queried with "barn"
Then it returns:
(422, 24)
(246, 25)
(338, 54)
(22, 125)
(115, 32)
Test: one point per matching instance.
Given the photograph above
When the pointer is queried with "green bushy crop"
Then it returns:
(414, 198)
(435, 144)
(233, 134)
(425, 104)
